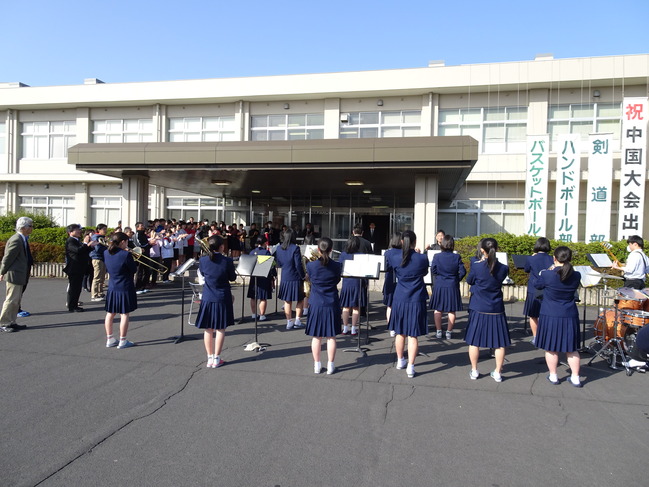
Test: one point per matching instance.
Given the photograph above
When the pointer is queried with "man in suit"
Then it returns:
(366, 246)
(14, 269)
(76, 261)
(375, 239)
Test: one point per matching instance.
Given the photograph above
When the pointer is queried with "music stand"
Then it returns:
(255, 266)
(589, 279)
(362, 266)
(180, 272)
(519, 260)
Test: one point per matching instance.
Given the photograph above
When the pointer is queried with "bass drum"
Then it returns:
(604, 328)
(645, 303)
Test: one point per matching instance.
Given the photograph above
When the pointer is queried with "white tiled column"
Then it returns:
(426, 196)
(135, 199)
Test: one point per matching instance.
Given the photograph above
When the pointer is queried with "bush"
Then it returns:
(42, 252)
(8, 222)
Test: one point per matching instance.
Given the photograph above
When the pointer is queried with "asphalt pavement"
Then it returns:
(77, 413)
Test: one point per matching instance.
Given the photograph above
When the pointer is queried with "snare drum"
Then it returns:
(605, 329)
(645, 303)
(629, 298)
(635, 318)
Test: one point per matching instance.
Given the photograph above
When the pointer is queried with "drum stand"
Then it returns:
(612, 348)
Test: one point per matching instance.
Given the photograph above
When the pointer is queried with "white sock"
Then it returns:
(574, 379)
(354, 329)
(554, 377)
(122, 339)
(345, 329)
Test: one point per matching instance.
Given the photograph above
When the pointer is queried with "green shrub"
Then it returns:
(42, 252)
(8, 222)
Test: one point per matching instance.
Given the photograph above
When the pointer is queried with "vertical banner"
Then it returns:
(566, 213)
(536, 185)
(633, 167)
(599, 188)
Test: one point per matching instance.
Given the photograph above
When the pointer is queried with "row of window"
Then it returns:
(498, 130)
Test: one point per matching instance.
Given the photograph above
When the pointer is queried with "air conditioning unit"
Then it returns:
(344, 118)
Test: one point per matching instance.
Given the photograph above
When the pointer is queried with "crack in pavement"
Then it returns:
(128, 423)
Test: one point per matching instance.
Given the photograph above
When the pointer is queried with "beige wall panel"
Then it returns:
(296, 107)
(95, 190)
(66, 115)
(204, 110)
(118, 113)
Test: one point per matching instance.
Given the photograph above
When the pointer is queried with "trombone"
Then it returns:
(146, 261)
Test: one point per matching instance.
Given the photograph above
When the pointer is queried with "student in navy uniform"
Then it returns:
(216, 311)
(559, 319)
(448, 270)
(389, 282)
(538, 261)
(324, 318)
(487, 327)
(120, 297)
(262, 287)
(353, 294)
(408, 316)
(291, 287)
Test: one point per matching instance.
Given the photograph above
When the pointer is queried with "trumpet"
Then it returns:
(146, 261)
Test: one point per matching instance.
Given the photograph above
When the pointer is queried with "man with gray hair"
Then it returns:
(14, 269)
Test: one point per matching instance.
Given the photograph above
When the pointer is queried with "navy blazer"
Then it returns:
(324, 283)
(448, 269)
(410, 279)
(217, 274)
(558, 297)
(120, 267)
(290, 260)
(534, 265)
(486, 290)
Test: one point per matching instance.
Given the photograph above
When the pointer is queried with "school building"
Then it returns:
(471, 149)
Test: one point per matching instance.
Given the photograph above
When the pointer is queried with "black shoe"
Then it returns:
(76, 310)
(17, 327)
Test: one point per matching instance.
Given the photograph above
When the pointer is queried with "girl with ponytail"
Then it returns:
(408, 316)
(291, 286)
(540, 260)
(487, 327)
(558, 329)
(216, 311)
(323, 320)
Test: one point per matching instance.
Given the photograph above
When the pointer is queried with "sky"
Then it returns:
(61, 43)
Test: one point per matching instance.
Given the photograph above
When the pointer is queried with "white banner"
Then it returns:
(633, 167)
(566, 213)
(599, 188)
(536, 185)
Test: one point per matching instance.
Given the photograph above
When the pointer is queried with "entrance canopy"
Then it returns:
(387, 167)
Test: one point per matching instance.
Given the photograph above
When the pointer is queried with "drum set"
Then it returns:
(616, 327)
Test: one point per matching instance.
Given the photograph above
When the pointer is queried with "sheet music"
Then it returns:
(600, 260)
(361, 268)
(372, 259)
(589, 276)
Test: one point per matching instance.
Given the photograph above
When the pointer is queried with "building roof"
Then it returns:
(386, 167)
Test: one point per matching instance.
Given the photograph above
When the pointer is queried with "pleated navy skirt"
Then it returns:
(353, 293)
(323, 321)
(409, 319)
(558, 333)
(291, 291)
(487, 330)
(532, 307)
(121, 301)
(264, 288)
(215, 315)
(446, 299)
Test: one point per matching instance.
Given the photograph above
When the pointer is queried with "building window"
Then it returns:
(463, 218)
(120, 131)
(59, 208)
(184, 207)
(105, 209)
(497, 130)
(47, 140)
(287, 126)
(3, 138)
(585, 119)
(3, 205)
(202, 129)
(361, 125)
